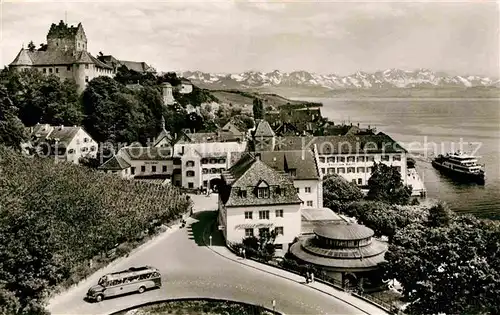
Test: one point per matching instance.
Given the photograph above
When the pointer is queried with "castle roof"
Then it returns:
(55, 57)
(139, 66)
(23, 58)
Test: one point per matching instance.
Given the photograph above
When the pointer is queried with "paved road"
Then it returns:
(190, 269)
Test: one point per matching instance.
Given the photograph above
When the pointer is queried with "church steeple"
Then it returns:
(162, 122)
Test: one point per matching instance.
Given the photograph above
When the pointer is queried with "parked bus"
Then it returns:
(126, 281)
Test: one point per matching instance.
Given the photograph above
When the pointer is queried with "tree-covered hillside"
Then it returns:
(55, 218)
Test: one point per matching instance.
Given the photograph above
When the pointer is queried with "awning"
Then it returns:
(254, 225)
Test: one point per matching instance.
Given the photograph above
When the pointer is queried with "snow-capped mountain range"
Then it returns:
(390, 78)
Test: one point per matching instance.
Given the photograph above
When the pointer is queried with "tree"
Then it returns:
(113, 113)
(258, 109)
(385, 185)
(439, 215)
(12, 131)
(243, 122)
(169, 77)
(337, 192)
(462, 258)
(31, 46)
(43, 99)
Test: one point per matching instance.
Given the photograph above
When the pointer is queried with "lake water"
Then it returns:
(427, 126)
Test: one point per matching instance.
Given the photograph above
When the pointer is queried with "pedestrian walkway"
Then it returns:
(361, 304)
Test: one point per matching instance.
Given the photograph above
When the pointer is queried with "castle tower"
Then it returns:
(67, 38)
(168, 94)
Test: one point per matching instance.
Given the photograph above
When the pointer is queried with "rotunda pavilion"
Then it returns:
(347, 252)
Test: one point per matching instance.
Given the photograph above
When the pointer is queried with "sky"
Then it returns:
(457, 37)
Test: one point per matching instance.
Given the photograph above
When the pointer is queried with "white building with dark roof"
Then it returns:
(193, 161)
(64, 143)
(255, 199)
(186, 87)
(142, 162)
(350, 156)
(302, 168)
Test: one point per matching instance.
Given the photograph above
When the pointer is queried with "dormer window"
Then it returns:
(242, 193)
(262, 189)
(263, 192)
(292, 172)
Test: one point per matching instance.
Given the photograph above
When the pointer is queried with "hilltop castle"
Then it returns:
(65, 55)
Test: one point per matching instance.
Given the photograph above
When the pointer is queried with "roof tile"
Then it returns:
(247, 174)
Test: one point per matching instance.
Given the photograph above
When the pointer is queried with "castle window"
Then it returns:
(68, 68)
(190, 163)
(86, 66)
(50, 70)
(87, 79)
(57, 70)
(190, 174)
(44, 70)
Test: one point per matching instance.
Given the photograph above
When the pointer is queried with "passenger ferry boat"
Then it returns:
(461, 166)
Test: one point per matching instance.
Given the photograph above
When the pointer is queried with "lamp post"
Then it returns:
(210, 240)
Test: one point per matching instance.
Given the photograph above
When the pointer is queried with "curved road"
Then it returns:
(190, 269)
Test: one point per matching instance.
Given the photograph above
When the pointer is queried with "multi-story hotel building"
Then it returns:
(255, 199)
(351, 156)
